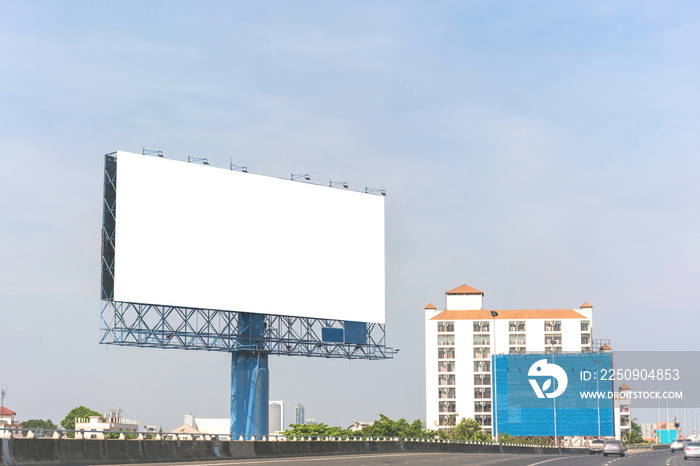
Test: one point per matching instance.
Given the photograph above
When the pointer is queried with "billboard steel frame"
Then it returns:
(148, 325)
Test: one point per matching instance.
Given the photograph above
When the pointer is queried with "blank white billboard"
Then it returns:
(190, 235)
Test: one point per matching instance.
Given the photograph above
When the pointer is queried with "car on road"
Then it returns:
(691, 450)
(614, 447)
(678, 444)
(596, 446)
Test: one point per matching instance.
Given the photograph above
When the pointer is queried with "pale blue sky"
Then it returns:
(543, 152)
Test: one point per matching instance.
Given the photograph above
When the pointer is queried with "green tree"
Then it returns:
(385, 427)
(68, 422)
(37, 425)
(316, 430)
(470, 430)
(635, 433)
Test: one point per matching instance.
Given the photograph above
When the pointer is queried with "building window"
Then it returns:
(482, 353)
(517, 350)
(482, 379)
(482, 340)
(482, 366)
(552, 340)
(517, 339)
(552, 326)
(447, 406)
(585, 326)
(447, 420)
(446, 340)
(482, 326)
(516, 326)
(446, 367)
(445, 379)
(446, 393)
(481, 393)
(446, 326)
(446, 353)
(585, 339)
(482, 406)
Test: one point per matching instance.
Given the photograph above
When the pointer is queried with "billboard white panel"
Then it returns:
(190, 235)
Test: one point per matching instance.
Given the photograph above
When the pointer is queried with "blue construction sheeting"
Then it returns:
(521, 412)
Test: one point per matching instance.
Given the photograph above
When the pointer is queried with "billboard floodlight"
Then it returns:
(197, 159)
(159, 153)
(344, 184)
(296, 177)
(237, 167)
(375, 191)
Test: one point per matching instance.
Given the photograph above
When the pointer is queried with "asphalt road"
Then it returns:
(646, 458)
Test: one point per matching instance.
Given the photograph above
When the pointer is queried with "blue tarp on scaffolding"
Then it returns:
(521, 378)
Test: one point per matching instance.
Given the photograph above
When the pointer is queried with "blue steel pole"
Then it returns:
(250, 390)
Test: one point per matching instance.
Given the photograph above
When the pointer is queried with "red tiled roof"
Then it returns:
(624, 386)
(6, 412)
(464, 289)
(512, 314)
(585, 305)
(605, 347)
(430, 306)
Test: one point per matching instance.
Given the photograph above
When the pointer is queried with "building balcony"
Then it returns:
(446, 367)
(482, 327)
(483, 420)
(444, 380)
(482, 380)
(482, 407)
(516, 328)
(482, 367)
(446, 327)
(446, 340)
(447, 407)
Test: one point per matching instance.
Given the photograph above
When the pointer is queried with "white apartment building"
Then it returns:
(97, 426)
(460, 339)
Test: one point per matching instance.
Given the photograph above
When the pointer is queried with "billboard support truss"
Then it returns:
(148, 325)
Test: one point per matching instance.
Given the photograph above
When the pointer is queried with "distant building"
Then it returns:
(622, 411)
(184, 432)
(299, 414)
(666, 432)
(460, 340)
(207, 426)
(7, 422)
(357, 425)
(648, 431)
(97, 426)
(276, 417)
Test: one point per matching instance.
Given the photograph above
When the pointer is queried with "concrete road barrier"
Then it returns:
(50, 451)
